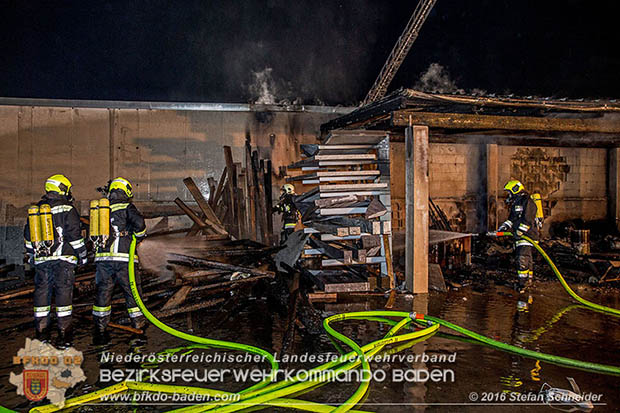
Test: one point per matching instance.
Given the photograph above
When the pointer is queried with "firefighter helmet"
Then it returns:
(59, 184)
(288, 189)
(123, 185)
(514, 187)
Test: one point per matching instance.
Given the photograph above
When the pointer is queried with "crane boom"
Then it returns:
(400, 50)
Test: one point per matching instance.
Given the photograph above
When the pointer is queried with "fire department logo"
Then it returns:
(36, 384)
(47, 372)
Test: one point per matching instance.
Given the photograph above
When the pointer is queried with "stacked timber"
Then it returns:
(238, 205)
(345, 208)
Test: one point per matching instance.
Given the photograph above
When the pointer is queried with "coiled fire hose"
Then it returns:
(561, 278)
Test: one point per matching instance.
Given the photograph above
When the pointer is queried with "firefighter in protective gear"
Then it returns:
(521, 221)
(289, 212)
(112, 257)
(54, 257)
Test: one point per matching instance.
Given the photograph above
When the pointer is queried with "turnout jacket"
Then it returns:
(68, 241)
(289, 211)
(125, 221)
(522, 218)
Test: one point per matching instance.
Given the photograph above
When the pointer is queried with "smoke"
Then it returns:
(263, 87)
(437, 79)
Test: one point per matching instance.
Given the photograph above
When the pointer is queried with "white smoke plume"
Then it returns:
(264, 87)
(437, 79)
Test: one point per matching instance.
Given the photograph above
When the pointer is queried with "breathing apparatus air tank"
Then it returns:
(538, 202)
(47, 225)
(34, 223)
(94, 219)
(104, 219)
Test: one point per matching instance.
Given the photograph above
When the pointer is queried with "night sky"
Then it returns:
(315, 52)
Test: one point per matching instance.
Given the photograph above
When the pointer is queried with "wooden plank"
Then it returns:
(352, 187)
(388, 261)
(343, 232)
(220, 188)
(211, 219)
(330, 147)
(189, 308)
(364, 157)
(347, 257)
(262, 201)
(232, 185)
(358, 193)
(212, 188)
(355, 231)
(376, 228)
(375, 209)
(269, 200)
(251, 191)
(347, 287)
(346, 178)
(190, 213)
(178, 298)
(315, 165)
(335, 263)
(323, 297)
(201, 262)
(342, 201)
(238, 201)
(470, 121)
(330, 237)
(387, 227)
(342, 211)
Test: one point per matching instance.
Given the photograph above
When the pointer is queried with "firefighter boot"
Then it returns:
(64, 339)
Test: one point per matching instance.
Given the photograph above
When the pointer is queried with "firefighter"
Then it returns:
(112, 257)
(522, 220)
(289, 212)
(54, 245)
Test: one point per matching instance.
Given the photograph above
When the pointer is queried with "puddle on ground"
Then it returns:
(549, 323)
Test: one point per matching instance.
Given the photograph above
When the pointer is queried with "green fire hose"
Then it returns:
(563, 361)
(270, 393)
(561, 278)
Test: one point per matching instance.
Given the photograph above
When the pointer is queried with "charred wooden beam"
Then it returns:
(407, 117)
(211, 219)
(188, 308)
(201, 262)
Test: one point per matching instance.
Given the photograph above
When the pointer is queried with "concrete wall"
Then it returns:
(573, 180)
(154, 149)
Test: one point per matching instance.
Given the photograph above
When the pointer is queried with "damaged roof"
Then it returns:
(457, 117)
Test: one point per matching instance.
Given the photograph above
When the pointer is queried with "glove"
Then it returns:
(30, 259)
(503, 228)
(518, 234)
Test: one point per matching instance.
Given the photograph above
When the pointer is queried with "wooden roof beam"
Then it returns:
(469, 121)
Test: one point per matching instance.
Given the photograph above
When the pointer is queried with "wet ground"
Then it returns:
(549, 323)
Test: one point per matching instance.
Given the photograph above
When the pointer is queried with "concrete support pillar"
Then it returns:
(416, 207)
(613, 190)
(492, 185)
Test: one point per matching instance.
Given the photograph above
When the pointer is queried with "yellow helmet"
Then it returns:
(58, 183)
(514, 187)
(288, 189)
(123, 185)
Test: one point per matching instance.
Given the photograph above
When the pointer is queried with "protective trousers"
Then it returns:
(525, 263)
(53, 277)
(286, 231)
(108, 274)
